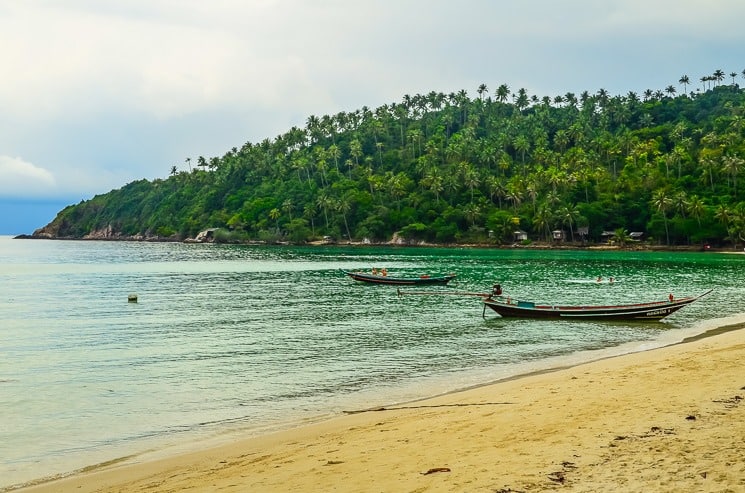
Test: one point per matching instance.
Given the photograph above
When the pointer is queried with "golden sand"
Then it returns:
(670, 419)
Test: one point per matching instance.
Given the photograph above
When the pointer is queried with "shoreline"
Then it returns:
(356, 429)
(536, 245)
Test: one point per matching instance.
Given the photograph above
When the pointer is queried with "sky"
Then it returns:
(95, 94)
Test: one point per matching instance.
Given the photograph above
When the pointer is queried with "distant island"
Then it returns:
(501, 168)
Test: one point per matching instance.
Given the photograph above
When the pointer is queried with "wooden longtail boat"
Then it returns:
(400, 281)
(655, 310)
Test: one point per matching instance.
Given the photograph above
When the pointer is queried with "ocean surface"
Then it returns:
(228, 339)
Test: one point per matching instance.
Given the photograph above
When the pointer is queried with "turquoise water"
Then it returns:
(245, 339)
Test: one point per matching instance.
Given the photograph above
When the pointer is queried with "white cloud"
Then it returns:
(167, 59)
(19, 178)
(161, 59)
(100, 93)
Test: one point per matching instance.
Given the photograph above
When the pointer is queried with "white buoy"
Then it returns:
(132, 298)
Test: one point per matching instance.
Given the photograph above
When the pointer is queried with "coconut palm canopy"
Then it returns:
(454, 168)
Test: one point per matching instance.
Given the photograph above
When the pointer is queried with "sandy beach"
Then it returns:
(670, 419)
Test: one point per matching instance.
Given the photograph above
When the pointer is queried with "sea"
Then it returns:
(226, 341)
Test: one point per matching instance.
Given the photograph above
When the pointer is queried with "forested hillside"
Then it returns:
(448, 168)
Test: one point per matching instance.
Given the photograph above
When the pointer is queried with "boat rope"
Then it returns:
(451, 293)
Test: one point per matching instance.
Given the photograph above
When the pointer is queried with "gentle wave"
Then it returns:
(251, 338)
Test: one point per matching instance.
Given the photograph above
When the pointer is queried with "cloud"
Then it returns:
(19, 178)
(102, 93)
(166, 59)
(160, 59)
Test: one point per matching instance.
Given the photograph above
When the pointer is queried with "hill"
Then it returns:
(454, 169)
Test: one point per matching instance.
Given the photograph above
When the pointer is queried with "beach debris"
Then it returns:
(703, 474)
(557, 477)
(334, 462)
(466, 404)
(691, 417)
(729, 403)
(436, 469)
(656, 430)
(560, 476)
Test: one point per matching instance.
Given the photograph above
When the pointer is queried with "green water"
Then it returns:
(244, 339)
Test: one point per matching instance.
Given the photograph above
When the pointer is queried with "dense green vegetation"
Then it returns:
(448, 168)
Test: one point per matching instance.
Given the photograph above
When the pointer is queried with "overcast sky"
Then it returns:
(97, 93)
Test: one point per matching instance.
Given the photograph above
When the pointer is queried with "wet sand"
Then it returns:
(669, 419)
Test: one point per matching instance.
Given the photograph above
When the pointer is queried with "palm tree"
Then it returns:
(275, 215)
(542, 221)
(496, 189)
(174, 170)
(470, 177)
(568, 216)
(321, 166)
(680, 202)
(312, 126)
(472, 212)
(662, 202)
(521, 99)
(731, 165)
(503, 91)
(708, 165)
(522, 145)
(309, 211)
(696, 208)
(287, 205)
(723, 214)
(684, 80)
(718, 75)
(355, 149)
(433, 181)
(397, 186)
(515, 196)
(344, 207)
(704, 79)
(646, 120)
(481, 90)
(621, 236)
(334, 152)
(415, 137)
(324, 202)
(602, 98)
(299, 163)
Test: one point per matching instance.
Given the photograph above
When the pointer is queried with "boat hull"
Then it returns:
(641, 311)
(400, 281)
